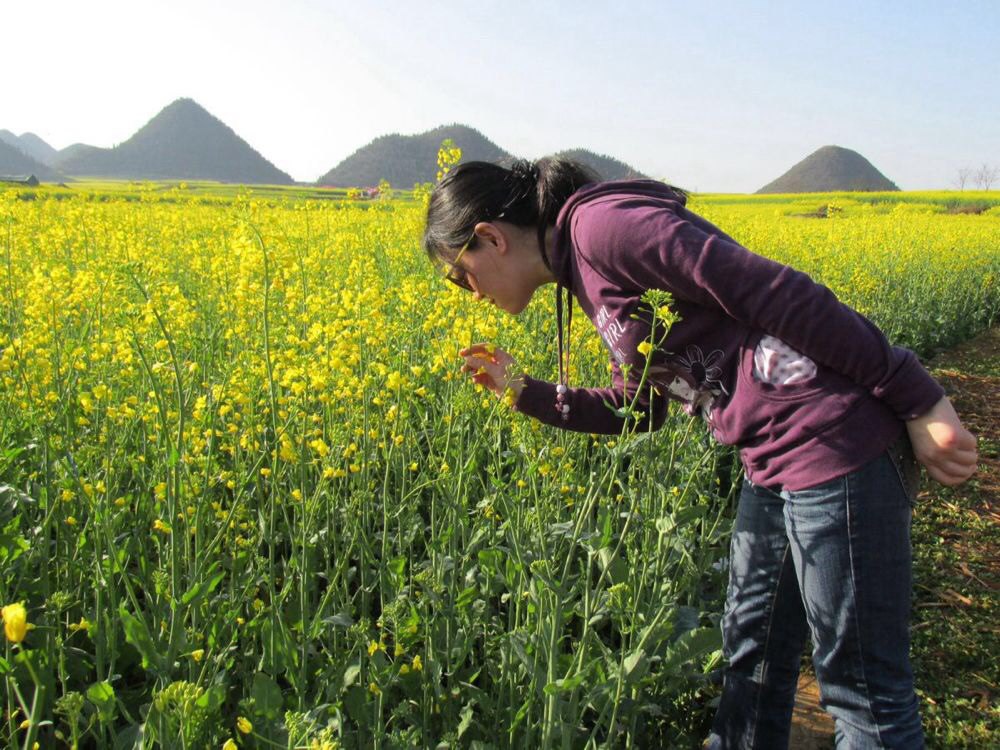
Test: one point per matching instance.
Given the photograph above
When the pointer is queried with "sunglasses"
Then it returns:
(455, 273)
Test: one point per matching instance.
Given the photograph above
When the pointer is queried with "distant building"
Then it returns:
(20, 179)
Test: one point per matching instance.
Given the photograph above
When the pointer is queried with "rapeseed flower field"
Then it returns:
(246, 500)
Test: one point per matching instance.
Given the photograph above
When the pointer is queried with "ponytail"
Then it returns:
(524, 193)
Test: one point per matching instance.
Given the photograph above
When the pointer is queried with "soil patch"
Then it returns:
(956, 537)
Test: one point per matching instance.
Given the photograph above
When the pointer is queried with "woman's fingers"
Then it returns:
(485, 372)
(493, 368)
(952, 469)
(945, 477)
(943, 445)
(490, 366)
(480, 348)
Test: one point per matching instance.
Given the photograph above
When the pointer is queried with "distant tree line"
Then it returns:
(983, 178)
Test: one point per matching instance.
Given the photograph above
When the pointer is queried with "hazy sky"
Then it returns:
(714, 96)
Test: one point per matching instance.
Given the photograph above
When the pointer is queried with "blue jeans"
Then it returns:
(833, 562)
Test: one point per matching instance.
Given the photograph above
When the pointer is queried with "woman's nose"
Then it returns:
(474, 284)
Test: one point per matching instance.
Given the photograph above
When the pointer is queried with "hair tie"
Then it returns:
(525, 172)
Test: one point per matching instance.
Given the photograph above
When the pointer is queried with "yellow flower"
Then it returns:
(163, 528)
(84, 625)
(230, 745)
(418, 665)
(645, 348)
(375, 689)
(244, 725)
(373, 647)
(198, 654)
(15, 622)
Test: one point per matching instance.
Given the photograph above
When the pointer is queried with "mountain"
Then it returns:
(183, 142)
(13, 161)
(38, 149)
(607, 167)
(10, 139)
(831, 168)
(31, 145)
(77, 150)
(404, 160)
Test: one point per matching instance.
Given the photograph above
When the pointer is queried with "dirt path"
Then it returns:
(957, 577)
(812, 727)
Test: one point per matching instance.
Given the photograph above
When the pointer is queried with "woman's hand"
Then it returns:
(494, 368)
(945, 448)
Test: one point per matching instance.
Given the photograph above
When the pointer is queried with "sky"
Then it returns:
(713, 96)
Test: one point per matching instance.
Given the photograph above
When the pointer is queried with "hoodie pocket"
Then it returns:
(906, 465)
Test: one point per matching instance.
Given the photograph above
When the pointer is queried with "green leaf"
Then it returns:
(341, 620)
(201, 589)
(351, 674)
(690, 646)
(267, 696)
(354, 704)
(467, 597)
(466, 721)
(617, 569)
(397, 566)
(635, 666)
(130, 737)
(212, 699)
(137, 634)
(102, 695)
(564, 685)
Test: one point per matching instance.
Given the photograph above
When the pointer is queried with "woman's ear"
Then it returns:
(492, 234)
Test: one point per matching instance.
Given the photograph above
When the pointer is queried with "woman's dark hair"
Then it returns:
(523, 193)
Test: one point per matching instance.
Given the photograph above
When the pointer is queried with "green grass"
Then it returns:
(956, 535)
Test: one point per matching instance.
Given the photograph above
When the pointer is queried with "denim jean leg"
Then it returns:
(764, 629)
(850, 539)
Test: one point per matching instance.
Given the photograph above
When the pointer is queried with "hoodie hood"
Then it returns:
(562, 253)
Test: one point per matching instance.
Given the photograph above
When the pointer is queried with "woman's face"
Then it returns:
(501, 266)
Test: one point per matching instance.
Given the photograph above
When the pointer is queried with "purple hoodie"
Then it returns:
(614, 240)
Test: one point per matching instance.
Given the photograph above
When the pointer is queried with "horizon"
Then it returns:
(720, 100)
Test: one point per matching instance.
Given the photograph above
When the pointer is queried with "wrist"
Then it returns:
(515, 385)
